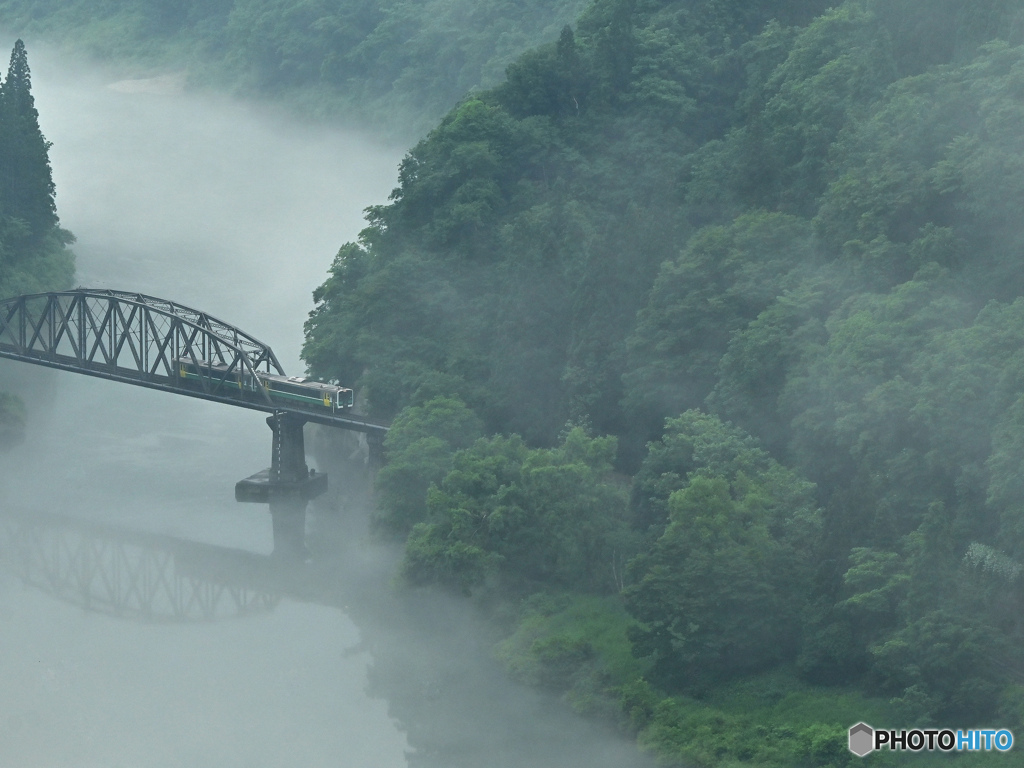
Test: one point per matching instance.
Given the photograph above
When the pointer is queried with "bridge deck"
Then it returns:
(346, 420)
(143, 340)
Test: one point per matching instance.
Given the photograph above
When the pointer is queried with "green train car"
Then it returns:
(288, 390)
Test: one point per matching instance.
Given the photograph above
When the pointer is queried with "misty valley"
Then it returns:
(644, 383)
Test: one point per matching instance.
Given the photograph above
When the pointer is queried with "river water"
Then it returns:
(237, 210)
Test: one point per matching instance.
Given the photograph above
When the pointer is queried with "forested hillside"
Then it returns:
(396, 66)
(33, 247)
(703, 333)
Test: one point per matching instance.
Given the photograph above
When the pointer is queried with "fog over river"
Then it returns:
(236, 210)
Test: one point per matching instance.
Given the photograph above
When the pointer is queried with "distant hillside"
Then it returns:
(396, 66)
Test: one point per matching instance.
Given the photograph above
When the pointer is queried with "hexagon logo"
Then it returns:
(862, 739)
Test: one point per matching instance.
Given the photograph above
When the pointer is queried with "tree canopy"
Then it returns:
(33, 253)
(396, 66)
(33, 247)
(773, 250)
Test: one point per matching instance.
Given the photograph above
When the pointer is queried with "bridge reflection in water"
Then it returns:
(134, 575)
(457, 709)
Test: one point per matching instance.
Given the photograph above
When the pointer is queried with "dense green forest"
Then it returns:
(703, 334)
(33, 246)
(397, 66)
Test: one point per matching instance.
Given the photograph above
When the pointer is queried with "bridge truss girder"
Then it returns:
(134, 338)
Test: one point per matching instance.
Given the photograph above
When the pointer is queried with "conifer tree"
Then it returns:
(26, 180)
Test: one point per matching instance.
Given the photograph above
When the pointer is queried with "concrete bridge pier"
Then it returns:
(288, 455)
(286, 487)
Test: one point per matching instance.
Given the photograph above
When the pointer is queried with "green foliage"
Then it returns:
(419, 448)
(723, 589)
(778, 158)
(395, 65)
(33, 256)
(444, 418)
(770, 720)
(695, 734)
(27, 192)
(803, 221)
(942, 666)
(799, 219)
(570, 642)
(33, 248)
(527, 516)
(753, 371)
(694, 443)
(724, 279)
(534, 218)
(936, 158)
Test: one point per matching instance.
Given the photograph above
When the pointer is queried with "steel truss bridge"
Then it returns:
(139, 339)
(142, 340)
